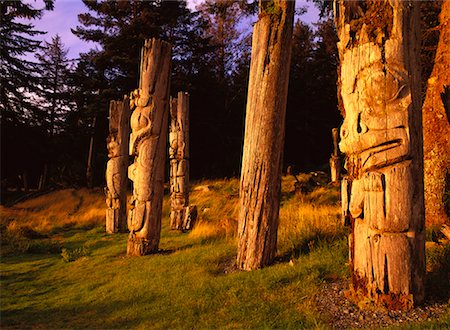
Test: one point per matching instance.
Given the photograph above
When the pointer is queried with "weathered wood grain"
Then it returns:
(264, 135)
(381, 136)
(149, 123)
(116, 168)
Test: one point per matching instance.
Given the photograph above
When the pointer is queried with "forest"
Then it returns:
(258, 172)
(50, 117)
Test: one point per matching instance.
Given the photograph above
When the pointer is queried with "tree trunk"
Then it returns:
(116, 168)
(436, 128)
(89, 178)
(335, 163)
(264, 135)
(179, 163)
(149, 120)
(382, 139)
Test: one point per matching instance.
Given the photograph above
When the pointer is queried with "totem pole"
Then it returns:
(259, 193)
(116, 168)
(382, 195)
(149, 121)
(182, 216)
(335, 163)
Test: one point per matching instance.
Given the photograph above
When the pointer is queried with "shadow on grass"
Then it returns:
(438, 279)
(72, 228)
(308, 243)
(96, 315)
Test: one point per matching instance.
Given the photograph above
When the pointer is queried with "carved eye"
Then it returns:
(394, 87)
(381, 88)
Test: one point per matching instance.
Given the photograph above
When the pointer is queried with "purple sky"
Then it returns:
(65, 16)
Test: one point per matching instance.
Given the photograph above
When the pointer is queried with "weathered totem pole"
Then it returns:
(116, 168)
(264, 135)
(182, 216)
(149, 121)
(436, 127)
(335, 163)
(381, 136)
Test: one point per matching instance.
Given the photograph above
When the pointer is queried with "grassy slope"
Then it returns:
(184, 286)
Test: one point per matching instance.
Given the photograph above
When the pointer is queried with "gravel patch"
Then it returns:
(343, 314)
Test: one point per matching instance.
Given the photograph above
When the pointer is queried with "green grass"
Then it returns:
(183, 286)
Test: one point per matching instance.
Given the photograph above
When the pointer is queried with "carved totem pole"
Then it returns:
(335, 163)
(259, 193)
(182, 217)
(116, 168)
(149, 121)
(381, 136)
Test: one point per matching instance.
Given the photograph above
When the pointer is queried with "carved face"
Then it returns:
(376, 100)
(113, 147)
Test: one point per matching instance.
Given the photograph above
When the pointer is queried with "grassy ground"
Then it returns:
(191, 283)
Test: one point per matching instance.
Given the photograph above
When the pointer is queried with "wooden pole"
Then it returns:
(43, 178)
(335, 163)
(149, 120)
(436, 127)
(89, 178)
(25, 181)
(382, 139)
(116, 168)
(180, 215)
(264, 135)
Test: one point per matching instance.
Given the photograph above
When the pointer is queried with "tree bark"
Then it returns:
(264, 135)
(179, 163)
(436, 127)
(149, 120)
(116, 168)
(382, 139)
(335, 163)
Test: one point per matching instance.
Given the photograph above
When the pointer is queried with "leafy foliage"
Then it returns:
(69, 255)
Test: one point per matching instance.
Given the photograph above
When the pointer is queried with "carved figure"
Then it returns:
(148, 146)
(382, 196)
(180, 217)
(116, 167)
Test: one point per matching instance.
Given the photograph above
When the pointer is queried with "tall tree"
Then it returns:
(18, 77)
(436, 128)
(121, 27)
(223, 19)
(54, 70)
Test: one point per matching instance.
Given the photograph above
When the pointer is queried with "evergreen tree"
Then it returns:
(230, 42)
(55, 93)
(18, 78)
(121, 27)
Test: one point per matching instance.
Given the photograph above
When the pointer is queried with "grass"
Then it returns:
(189, 284)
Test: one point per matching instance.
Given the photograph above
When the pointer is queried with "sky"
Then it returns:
(65, 16)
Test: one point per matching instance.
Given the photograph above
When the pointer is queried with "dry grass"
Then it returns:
(217, 204)
(64, 208)
(303, 218)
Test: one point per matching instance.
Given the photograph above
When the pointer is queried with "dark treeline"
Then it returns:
(49, 105)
